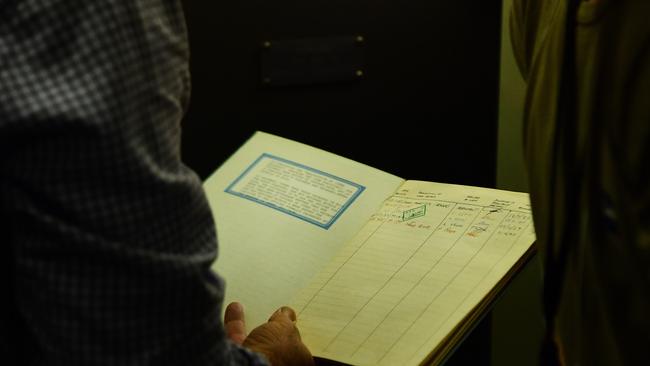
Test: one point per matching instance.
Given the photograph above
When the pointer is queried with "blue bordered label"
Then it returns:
(295, 189)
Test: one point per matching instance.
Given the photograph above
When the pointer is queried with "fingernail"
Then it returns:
(289, 312)
(237, 306)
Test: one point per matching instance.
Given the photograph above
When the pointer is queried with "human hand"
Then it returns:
(278, 339)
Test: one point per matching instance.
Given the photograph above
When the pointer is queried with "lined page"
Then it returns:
(282, 210)
(416, 269)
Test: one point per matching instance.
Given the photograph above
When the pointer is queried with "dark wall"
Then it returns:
(425, 108)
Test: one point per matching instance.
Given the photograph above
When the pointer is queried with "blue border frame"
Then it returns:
(325, 226)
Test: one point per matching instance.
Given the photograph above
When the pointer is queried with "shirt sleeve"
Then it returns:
(111, 235)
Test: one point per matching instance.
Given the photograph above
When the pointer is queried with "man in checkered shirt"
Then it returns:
(107, 238)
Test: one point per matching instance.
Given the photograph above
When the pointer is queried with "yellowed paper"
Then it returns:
(414, 271)
(282, 210)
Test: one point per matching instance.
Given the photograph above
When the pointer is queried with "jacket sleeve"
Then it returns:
(111, 235)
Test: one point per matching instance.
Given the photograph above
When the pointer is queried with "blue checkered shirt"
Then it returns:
(107, 238)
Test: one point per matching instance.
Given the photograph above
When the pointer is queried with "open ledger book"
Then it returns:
(380, 270)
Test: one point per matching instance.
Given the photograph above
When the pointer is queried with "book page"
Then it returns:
(282, 210)
(428, 257)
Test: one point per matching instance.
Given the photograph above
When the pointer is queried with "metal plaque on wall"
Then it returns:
(312, 61)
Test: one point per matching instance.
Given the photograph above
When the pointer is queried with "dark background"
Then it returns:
(425, 107)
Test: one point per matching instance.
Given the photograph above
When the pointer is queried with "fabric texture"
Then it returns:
(107, 237)
(602, 317)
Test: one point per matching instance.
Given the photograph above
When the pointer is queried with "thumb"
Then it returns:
(235, 323)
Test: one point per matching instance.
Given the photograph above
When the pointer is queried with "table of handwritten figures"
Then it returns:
(416, 269)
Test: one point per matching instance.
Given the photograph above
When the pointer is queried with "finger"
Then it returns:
(235, 322)
(283, 314)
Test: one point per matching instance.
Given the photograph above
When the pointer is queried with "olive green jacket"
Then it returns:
(604, 313)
